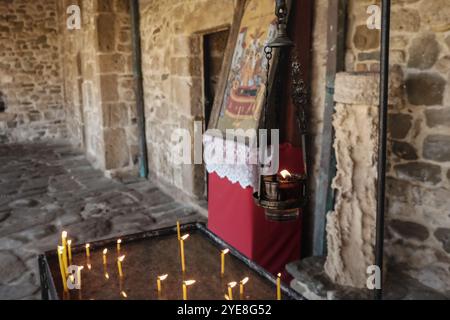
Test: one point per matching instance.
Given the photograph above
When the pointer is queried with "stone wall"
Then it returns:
(99, 84)
(173, 68)
(31, 88)
(418, 237)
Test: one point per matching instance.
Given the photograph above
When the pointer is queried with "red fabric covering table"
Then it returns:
(235, 218)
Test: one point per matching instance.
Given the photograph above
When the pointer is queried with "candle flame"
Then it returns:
(279, 275)
(189, 282)
(232, 284)
(64, 235)
(164, 277)
(105, 252)
(88, 246)
(119, 241)
(89, 266)
(69, 242)
(124, 294)
(106, 276)
(245, 280)
(81, 268)
(185, 237)
(226, 251)
(227, 297)
(121, 258)
(285, 174)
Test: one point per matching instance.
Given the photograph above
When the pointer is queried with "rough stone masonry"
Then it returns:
(31, 90)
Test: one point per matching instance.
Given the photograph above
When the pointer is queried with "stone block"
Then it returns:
(115, 115)
(363, 88)
(443, 236)
(106, 32)
(399, 125)
(438, 117)
(365, 38)
(117, 154)
(419, 171)
(409, 230)
(109, 88)
(105, 5)
(109, 63)
(435, 14)
(404, 150)
(437, 148)
(423, 52)
(425, 88)
(405, 20)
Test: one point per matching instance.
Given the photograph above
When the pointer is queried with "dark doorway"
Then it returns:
(214, 46)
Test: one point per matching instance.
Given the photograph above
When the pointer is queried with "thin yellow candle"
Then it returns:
(88, 250)
(61, 267)
(242, 286)
(159, 282)
(105, 252)
(231, 285)
(119, 242)
(69, 250)
(64, 245)
(186, 284)
(79, 275)
(222, 258)
(183, 261)
(178, 230)
(119, 265)
(279, 286)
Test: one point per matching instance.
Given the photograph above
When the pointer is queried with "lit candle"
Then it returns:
(119, 242)
(186, 284)
(159, 282)
(88, 250)
(222, 258)
(286, 174)
(231, 285)
(183, 262)
(178, 230)
(105, 252)
(69, 250)
(119, 265)
(61, 267)
(241, 287)
(279, 287)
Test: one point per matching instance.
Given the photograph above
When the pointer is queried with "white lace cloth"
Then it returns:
(241, 161)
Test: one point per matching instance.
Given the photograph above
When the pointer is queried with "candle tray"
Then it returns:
(154, 253)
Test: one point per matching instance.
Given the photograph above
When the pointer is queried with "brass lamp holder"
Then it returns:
(283, 197)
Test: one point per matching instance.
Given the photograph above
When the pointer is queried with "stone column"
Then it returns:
(351, 227)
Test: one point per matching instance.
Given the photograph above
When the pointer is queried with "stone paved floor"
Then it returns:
(45, 188)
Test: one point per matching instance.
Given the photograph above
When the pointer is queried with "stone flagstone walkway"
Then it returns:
(45, 188)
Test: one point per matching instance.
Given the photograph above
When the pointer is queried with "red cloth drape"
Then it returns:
(235, 218)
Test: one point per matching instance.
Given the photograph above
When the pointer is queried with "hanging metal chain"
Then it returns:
(269, 55)
(299, 99)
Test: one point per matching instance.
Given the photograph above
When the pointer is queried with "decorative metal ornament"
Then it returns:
(283, 195)
(282, 39)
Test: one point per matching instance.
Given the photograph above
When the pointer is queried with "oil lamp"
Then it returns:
(283, 195)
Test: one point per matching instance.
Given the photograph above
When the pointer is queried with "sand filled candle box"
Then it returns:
(148, 266)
